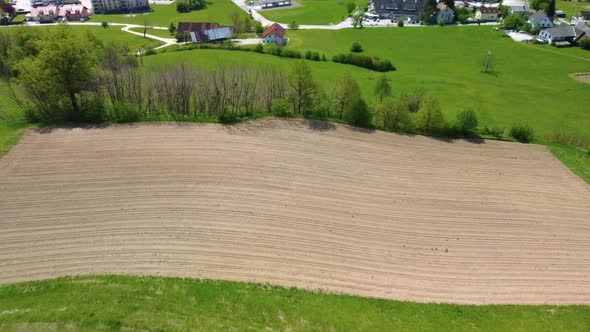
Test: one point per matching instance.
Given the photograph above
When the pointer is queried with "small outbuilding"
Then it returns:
(585, 14)
(202, 32)
(275, 34)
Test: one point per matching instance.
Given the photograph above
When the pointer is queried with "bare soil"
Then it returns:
(298, 203)
(585, 77)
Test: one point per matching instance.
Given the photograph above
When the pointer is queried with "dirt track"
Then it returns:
(300, 204)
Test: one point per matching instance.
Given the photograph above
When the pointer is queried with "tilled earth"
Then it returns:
(298, 203)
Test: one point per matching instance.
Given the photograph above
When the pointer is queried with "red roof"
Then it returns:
(489, 10)
(274, 29)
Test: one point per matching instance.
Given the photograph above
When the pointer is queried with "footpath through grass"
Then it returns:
(150, 303)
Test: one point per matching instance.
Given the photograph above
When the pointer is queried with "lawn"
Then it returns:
(570, 7)
(12, 121)
(217, 11)
(309, 12)
(572, 157)
(150, 303)
(530, 83)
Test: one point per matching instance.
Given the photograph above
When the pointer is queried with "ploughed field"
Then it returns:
(298, 203)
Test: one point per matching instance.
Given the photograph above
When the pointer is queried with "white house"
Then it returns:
(562, 35)
(445, 13)
(274, 34)
(540, 19)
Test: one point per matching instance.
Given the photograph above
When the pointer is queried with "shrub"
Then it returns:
(149, 51)
(281, 107)
(289, 53)
(466, 121)
(293, 25)
(359, 114)
(522, 133)
(585, 44)
(494, 131)
(400, 23)
(122, 112)
(324, 58)
(315, 56)
(259, 48)
(414, 99)
(350, 7)
(441, 22)
(356, 47)
(308, 55)
(105, 24)
(229, 115)
(364, 61)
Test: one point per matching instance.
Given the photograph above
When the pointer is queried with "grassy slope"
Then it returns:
(531, 83)
(309, 12)
(575, 159)
(217, 11)
(118, 302)
(12, 122)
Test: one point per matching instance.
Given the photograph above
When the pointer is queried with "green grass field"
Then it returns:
(570, 7)
(217, 11)
(309, 12)
(165, 304)
(530, 83)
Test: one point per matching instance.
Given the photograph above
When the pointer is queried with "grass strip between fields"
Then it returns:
(154, 303)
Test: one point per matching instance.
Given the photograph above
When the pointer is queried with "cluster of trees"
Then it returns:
(547, 5)
(185, 6)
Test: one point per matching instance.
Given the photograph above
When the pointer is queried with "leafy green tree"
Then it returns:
(514, 22)
(356, 47)
(463, 14)
(393, 114)
(383, 88)
(172, 28)
(430, 116)
(466, 121)
(105, 24)
(585, 44)
(65, 67)
(293, 25)
(302, 87)
(357, 19)
(428, 12)
(551, 9)
(350, 7)
(346, 92)
(359, 114)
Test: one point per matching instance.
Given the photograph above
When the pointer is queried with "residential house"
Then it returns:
(487, 14)
(275, 33)
(202, 32)
(398, 8)
(444, 13)
(540, 19)
(51, 13)
(519, 10)
(119, 6)
(585, 14)
(562, 35)
(266, 4)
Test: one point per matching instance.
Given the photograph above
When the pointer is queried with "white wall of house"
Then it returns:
(272, 38)
(545, 23)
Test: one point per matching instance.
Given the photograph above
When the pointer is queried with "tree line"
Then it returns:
(72, 78)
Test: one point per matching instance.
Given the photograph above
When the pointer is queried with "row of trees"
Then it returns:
(66, 77)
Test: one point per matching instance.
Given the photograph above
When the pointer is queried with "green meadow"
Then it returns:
(162, 15)
(309, 12)
(118, 303)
